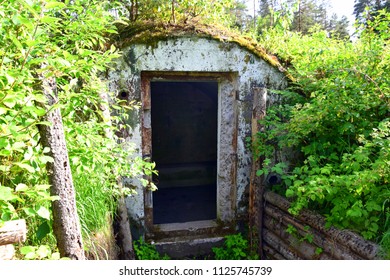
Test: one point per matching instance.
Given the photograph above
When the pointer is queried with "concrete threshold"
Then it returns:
(190, 240)
(189, 247)
(188, 226)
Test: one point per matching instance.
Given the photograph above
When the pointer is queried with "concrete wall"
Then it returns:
(200, 55)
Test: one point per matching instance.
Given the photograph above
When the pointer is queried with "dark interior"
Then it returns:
(184, 147)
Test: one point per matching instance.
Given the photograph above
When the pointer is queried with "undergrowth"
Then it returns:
(147, 251)
(337, 124)
(235, 247)
(96, 206)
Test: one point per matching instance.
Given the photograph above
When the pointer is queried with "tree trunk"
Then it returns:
(66, 224)
(173, 17)
(133, 10)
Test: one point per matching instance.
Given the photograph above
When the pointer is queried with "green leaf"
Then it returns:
(259, 172)
(9, 101)
(45, 159)
(373, 206)
(55, 256)
(43, 230)
(6, 194)
(21, 188)
(6, 216)
(354, 213)
(10, 79)
(44, 212)
(27, 249)
(290, 193)
(25, 166)
(318, 251)
(42, 187)
(30, 211)
(3, 110)
(47, 19)
(39, 98)
(43, 251)
(52, 5)
(18, 146)
(4, 142)
(374, 227)
(30, 255)
(29, 5)
(19, 46)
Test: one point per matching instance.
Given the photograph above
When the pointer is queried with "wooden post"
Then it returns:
(11, 232)
(357, 244)
(256, 188)
(124, 233)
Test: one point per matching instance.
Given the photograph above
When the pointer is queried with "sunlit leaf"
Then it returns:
(54, 4)
(25, 166)
(44, 212)
(21, 188)
(6, 194)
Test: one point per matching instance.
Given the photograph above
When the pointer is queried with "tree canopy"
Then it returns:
(302, 16)
(369, 6)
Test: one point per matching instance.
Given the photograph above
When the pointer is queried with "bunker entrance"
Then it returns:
(184, 118)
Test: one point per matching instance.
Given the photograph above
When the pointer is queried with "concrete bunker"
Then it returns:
(195, 92)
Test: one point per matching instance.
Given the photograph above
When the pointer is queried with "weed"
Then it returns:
(234, 248)
(146, 251)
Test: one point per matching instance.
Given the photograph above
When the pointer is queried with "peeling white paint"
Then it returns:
(193, 54)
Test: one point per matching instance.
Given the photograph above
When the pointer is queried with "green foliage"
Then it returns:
(300, 16)
(217, 11)
(42, 252)
(69, 37)
(146, 251)
(235, 248)
(23, 185)
(95, 201)
(318, 251)
(338, 126)
(368, 8)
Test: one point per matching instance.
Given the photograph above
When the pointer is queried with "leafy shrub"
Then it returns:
(70, 37)
(146, 251)
(235, 248)
(339, 127)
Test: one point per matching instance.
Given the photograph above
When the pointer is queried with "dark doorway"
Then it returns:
(184, 147)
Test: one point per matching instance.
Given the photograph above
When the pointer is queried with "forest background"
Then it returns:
(335, 113)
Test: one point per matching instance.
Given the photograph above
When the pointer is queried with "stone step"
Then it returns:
(188, 247)
(208, 228)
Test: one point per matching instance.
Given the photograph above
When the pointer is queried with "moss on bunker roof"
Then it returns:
(150, 33)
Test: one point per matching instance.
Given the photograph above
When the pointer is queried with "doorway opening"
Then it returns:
(184, 121)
